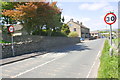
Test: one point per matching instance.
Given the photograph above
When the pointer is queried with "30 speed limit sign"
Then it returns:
(110, 18)
(11, 29)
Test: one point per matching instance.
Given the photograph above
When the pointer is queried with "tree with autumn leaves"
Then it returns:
(35, 15)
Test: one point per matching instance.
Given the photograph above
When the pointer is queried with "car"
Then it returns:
(82, 39)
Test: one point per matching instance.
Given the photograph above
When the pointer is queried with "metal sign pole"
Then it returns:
(12, 45)
(111, 50)
(111, 35)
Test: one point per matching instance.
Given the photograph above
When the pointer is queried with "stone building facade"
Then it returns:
(82, 31)
(95, 34)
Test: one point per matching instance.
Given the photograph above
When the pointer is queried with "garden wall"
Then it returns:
(26, 44)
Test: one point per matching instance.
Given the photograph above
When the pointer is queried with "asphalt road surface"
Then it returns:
(77, 61)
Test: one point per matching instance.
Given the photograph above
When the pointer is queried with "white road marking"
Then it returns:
(98, 55)
(93, 64)
(35, 67)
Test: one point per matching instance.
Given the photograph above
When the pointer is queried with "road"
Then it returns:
(77, 61)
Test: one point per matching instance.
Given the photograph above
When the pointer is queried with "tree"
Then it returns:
(33, 15)
(65, 29)
(63, 19)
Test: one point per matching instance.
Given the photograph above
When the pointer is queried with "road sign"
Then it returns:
(110, 18)
(11, 29)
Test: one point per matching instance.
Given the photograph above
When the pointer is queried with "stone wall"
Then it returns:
(27, 44)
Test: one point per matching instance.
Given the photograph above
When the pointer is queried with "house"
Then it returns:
(95, 34)
(18, 30)
(82, 31)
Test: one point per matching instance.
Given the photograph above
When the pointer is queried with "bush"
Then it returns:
(58, 34)
(40, 32)
(73, 34)
(65, 29)
(45, 33)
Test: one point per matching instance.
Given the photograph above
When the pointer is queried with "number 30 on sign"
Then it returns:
(110, 18)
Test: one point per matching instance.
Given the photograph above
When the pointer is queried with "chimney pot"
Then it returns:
(71, 20)
(78, 22)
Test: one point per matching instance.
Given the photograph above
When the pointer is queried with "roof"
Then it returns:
(18, 27)
(78, 24)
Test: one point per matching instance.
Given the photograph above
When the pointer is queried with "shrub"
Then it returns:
(58, 34)
(65, 29)
(73, 34)
(40, 32)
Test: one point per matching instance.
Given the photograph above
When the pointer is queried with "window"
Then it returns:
(70, 25)
(74, 29)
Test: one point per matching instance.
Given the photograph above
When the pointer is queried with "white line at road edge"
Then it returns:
(34, 68)
(95, 61)
(93, 64)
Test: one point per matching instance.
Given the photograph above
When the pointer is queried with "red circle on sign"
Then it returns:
(11, 31)
(107, 15)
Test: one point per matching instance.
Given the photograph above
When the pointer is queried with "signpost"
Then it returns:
(11, 30)
(110, 18)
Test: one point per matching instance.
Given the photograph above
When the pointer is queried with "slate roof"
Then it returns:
(78, 24)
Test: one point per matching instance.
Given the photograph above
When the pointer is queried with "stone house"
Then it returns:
(95, 34)
(82, 31)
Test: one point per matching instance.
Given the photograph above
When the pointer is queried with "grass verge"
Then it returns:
(1, 41)
(116, 41)
(108, 65)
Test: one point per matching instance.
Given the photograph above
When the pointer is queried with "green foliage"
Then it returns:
(63, 19)
(103, 31)
(118, 29)
(116, 41)
(8, 5)
(73, 34)
(46, 32)
(2, 41)
(34, 14)
(40, 32)
(58, 34)
(65, 29)
(109, 65)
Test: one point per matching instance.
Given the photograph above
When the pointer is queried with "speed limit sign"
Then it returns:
(110, 18)
(11, 29)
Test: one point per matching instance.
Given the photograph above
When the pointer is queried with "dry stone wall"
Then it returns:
(26, 44)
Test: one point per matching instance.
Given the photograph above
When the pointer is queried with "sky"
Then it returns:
(91, 13)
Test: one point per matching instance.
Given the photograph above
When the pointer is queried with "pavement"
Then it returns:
(19, 58)
(75, 61)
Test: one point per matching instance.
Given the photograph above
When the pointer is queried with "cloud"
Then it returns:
(93, 6)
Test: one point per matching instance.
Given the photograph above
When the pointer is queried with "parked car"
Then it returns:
(82, 39)
(92, 38)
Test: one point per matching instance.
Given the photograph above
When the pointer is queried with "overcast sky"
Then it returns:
(90, 13)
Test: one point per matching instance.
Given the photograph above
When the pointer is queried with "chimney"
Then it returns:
(81, 23)
(78, 22)
(71, 20)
